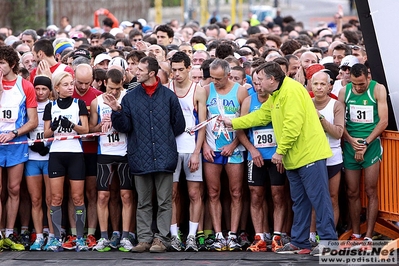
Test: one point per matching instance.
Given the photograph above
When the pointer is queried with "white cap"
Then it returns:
(125, 24)
(327, 59)
(349, 61)
(115, 31)
(118, 61)
(100, 58)
(142, 21)
(52, 27)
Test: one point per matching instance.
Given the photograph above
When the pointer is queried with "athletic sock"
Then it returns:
(192, 228)
(80, 217)
(56, 217)
(173, 230)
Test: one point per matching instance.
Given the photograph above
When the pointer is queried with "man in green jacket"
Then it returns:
(302, 148)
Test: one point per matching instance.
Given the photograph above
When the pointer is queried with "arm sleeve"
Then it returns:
(96, 22)
(47, 112)
(259, 117)
(121, 121)
(82, 108)
(30, 94)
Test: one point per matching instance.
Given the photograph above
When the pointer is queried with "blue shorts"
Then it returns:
(11, 155)
(236, 157)
(35, 168)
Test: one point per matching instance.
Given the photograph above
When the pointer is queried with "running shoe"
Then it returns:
(38, 244)
(258, 245)
(277, 243)
(175, 243)
(12, 243)
(125, 245)
(81, 244)
(200, 237)
(243, 240)
(318, 251)
(232, 243)
(91, 241)
(132, 239)
(70, 243)
(54, 245)
(33, 237)
(315, 242)
(209, 241)
(48, 242)
(115, 240)
(292, 249)
(286, 239)
(25, 239)
(191, 244)
(218, 245)
(102, 245)
(353, 243)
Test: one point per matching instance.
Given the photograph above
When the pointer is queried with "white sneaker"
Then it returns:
(102, 245)
(125, 245)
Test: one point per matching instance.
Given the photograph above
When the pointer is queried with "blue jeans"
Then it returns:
(309, 187)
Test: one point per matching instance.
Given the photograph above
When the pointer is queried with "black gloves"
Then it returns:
(40, 148)
(55, 124)
(65, 123)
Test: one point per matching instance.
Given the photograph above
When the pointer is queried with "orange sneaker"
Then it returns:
(70, 243)
(91, 241)
(277, 243)
(258, 245)
(353, 242)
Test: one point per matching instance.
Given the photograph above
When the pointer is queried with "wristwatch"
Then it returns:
(321, 117)
(365, 142)
(15, 132)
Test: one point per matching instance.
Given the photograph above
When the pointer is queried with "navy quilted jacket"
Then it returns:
(152, 124)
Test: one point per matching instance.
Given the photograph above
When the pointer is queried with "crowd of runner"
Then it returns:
(181, 137)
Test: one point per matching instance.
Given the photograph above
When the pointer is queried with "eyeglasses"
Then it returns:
(345, 68)
(120, 47)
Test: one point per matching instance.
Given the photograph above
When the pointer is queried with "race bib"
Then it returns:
(264, 138)
(362, 113)
(36, 134)
(8, 114)
(114, 139)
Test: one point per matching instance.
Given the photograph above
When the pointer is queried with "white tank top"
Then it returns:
(72, 113)
(335, 144)
(186, 142)
(113, 143)
(38, 133)
(12, 108)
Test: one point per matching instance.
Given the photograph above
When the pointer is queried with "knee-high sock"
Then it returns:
(56, 217)
(80, 216)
